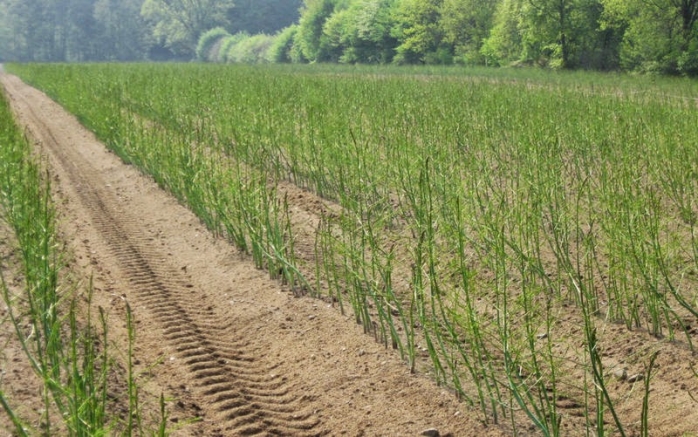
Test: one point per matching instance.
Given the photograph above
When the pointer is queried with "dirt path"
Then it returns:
(221, 340)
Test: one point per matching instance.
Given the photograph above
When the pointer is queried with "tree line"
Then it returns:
(645, 35)
(633, 35)
(128, 30)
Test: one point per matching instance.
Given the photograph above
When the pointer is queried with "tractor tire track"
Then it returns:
(217, 337)
(247, 400)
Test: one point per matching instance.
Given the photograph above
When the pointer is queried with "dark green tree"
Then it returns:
(31, 31)
(366, 32)
(80, 33)
(263, 16)
(208, 42)
(71, 30)
(124, 34)
(419, 33)
(558, 31)
(281, 50)
(178, 24)
(658, 35)
(466, 24)
(504, 44)
(313, 42)
(555, 33)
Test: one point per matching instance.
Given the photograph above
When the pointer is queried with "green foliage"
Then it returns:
(208, 41)
(123, 35)
(466, 24)
(296, 52)
(311, 38)
(70, 356)
(658, 36)
(227, 44)
(250, 50)
(335, 34)
(366, 34)
(263, 16)
(504, 44)
(553, 33)
(418, 32)
(687, 63)
(280, 50)
(240, 48)
(180, 23)
(72, 30)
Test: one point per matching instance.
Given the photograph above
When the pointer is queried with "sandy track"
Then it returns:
(221, 340)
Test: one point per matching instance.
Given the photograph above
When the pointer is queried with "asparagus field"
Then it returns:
(529, 243)
(56, 364)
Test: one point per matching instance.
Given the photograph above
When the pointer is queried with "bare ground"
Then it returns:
(224, 343)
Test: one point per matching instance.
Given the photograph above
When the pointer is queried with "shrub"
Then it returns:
(228, 42)
(688, 62)
(280, 50)
(251, 50)
(208, 41)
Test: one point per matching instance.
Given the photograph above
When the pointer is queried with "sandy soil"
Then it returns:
(222, 341)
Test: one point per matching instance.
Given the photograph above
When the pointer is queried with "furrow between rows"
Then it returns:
(248, 400)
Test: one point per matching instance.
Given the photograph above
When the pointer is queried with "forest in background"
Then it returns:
(128, 30)
(655, 36)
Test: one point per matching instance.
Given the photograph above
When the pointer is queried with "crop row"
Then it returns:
(65, 346)
(494, 225)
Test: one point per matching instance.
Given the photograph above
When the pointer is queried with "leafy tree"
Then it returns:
(179, 23)
(311, 39)
(658, 35)
(556, 33)
(14, 21)
(263, 16)
(335, 37)
(280, 50)
(593, 46)
(296, 52)
(123, 35)
(78, 32)
(557, 30)
(250, 49)
(226, 46)
(207, 41)
(32, 31)
(645, 35)
(52, 30)
(344, 31)
(466, 24)
(367, 32)
(548, 30)
(505, 44)
(419, 33)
